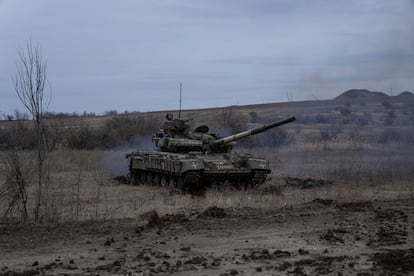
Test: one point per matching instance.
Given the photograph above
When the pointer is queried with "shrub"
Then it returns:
(390, 118)
(386, 103)
(118, 131)
(314, 119)
(321, 119)
(329, 133)
(229, 121)
(345, 111)
(17, 136)
(361, 121)
(83, 138)
(396, 135)
(271, 138)
(254, 118)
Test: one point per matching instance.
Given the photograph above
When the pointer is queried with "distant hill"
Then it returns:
(406, 94)
(360, 94)
(309, 111)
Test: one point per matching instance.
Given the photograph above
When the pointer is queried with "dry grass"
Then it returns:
(365, 149)
(81, 185)
(369, 164)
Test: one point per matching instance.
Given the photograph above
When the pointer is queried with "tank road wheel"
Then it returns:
(150, 179)
(136, 177)
(142, 178)
(180, 183)
(163, 180)
(156, 179)
(258, 178)
(132, 178)
(192, 184)
(244, 183)
(172, 182)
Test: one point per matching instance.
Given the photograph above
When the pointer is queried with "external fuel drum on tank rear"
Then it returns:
(194, 160)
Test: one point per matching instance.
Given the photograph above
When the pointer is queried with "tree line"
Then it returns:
(18, 115)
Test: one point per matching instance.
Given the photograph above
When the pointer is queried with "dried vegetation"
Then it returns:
(363, 150)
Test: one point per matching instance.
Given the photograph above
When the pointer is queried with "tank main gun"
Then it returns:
(225, 142)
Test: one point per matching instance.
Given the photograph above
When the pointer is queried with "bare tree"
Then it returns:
(29, 84)
(14, 189)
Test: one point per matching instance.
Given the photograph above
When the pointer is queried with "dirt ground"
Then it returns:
(319, 237)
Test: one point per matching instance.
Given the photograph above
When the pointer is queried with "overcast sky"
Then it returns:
(131, 55)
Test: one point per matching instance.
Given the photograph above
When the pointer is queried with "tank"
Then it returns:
(193, 160)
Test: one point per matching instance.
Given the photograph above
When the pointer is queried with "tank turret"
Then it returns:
(177, 137)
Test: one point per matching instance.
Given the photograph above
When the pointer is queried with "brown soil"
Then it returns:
(321, 237)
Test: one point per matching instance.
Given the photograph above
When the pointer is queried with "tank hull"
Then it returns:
(194, 172)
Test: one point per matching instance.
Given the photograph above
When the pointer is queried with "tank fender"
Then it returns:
(191, 165)
(258, 164)
(137, 162)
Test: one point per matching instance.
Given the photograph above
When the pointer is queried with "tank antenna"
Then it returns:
(181, 93)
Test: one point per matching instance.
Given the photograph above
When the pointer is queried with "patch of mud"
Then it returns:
(112, 267)
(40, 269)
(213, 212)
(160, 262)
(121, 179)
(151, 219)
(20, 273)
(264, 254)
(392, 228)
(155, 261)
(396, 260)
(270, 188)
(318, 266)
(306, 183)
(353, 238)
(354, 206)
(230, 272)
(333, 236)
(323, 201)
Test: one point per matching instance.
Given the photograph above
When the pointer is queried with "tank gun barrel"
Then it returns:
(252, 131)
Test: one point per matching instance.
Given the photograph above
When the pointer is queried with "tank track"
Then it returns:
(192, 182)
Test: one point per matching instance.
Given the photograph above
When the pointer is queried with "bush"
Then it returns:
(361, 121)
(271, 138)
(17, 136)
(345, 111)
(229, 121)
(321, 119)
(396, 135)
(314, 119)
(87, 138)
(254, 118)
(118, 131)
(390, 118)
(329, 133)
(386, 104)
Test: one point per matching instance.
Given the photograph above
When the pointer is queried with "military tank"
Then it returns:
(193, 160)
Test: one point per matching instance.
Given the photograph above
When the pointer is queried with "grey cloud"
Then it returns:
(133, 54)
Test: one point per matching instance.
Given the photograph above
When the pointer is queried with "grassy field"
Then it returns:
(81, 184)
(339, 199)
(358, 149)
